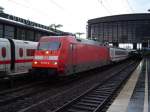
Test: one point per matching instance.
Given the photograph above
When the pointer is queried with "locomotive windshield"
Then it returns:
(49, 46)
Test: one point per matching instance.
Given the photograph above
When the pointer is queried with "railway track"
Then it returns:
(12, 83)
(97, 97)
(12, 95)
(56, 94)
(53, 102)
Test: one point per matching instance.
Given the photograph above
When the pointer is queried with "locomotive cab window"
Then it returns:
(49, 45)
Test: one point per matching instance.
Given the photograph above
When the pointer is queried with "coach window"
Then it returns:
(21, 52)
(3, 52)
(9, 32)
(30, 52)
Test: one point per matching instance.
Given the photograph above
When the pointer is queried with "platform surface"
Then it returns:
(135, 97)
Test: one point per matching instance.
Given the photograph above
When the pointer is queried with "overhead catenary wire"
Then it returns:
(56, 4)
(27, 6)
(130, 7)
(103, 5)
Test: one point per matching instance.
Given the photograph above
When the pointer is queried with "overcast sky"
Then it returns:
(72, 14)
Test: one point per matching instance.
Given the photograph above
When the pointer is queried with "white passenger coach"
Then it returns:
(16, 56)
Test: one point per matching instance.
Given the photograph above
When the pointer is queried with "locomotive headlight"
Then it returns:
(55, 63)
(35, 62)
(47, 52)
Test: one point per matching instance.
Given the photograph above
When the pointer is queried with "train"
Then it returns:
(16, 56)
(67, 55)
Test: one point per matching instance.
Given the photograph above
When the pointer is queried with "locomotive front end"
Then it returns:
(47, 57)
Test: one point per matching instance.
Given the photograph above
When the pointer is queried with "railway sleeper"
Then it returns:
(76, 110)
(94, 98)
(88, 104)
(101, 92)
(83, 107)
(90, 101)
(97, 96)
(107, 91)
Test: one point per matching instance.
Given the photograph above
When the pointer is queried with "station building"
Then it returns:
(13, 27)
(125, 29)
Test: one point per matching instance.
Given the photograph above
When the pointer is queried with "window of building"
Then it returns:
(130, 31)
(37, 36)
(30, 35)
(9, 32)
(101, 32)
(1, 31)
(110, 32)
(20, 34)
(106, 32)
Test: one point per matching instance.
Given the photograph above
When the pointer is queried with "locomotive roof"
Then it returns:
(86, 41)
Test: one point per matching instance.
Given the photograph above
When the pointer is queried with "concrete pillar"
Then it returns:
(144, 44)
(115, 44)
(134, 45)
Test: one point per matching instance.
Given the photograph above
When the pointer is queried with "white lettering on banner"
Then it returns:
(53, 57)
(38, 57)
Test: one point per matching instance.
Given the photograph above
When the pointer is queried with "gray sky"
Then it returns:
(72, 14)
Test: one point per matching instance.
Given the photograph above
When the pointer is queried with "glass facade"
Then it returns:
(127, 31)
(14, 32)
(1, 31)
(21, 35)
(9, 32)
(12, 27)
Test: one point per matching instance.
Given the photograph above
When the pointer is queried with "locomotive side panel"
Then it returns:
(68, 56)
(104, 55)
(90, 56)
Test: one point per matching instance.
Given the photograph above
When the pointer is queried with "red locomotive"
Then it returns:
(65, 55)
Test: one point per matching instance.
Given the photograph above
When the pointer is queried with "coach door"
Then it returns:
(73, 58)
(4, 56)
(20, 57)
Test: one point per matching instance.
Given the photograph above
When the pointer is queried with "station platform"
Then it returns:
(135, 95)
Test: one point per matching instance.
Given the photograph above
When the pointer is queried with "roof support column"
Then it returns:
(134, 45)
(115, 44)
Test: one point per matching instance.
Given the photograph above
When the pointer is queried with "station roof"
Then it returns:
(17, 21)
(124, 17)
